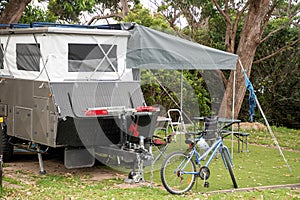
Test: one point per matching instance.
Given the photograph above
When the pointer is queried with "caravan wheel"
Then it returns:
(7, 148)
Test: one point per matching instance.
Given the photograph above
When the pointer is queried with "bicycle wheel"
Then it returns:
(177, 173)
(229, 167)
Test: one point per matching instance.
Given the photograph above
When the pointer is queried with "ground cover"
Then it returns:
(261, 166)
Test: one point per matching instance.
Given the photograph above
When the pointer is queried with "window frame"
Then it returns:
(28, 56)
(86, 57)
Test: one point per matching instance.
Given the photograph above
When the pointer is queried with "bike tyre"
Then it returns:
(171, 180)
(229, 167)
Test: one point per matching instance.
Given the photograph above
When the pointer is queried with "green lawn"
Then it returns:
(261, 166)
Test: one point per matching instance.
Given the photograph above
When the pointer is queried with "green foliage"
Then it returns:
(70, 10)
(197, 83)
(36, 14)
(143, 17)
(163, 87)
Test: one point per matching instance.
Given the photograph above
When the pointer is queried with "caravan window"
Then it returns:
(92, 57)
(1, 57)
(28, 57)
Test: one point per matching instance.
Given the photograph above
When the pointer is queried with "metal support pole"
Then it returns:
(181, 106)
(1, 154)
(233, 102)
(42, 170)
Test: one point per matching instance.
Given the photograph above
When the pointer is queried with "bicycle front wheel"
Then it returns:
(229, 167)
(178, 173)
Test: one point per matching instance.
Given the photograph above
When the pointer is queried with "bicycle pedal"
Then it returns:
(206, 184)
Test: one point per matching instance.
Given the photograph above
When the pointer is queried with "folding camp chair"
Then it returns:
(210, 126)
(177, 124)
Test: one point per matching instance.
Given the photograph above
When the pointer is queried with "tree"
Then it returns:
(12, 10)
(250, 38)
(143, 17)
(256, 20)
(276, 79)
(37, 14)
(117, 9)
(69, 11)
(65, 11)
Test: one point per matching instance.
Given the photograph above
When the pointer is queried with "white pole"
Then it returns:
(233, 102)
(181, 101)
(273, 136)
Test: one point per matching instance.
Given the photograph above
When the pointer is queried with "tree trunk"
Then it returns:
(125, 8)
(250, 39)
(13, 11)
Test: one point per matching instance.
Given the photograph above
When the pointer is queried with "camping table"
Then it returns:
(241, 136)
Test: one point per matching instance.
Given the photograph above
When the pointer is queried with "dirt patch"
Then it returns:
(28, 163)
(251, 126)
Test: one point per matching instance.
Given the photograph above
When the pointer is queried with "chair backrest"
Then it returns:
(175, 115)
(210, 126)
(177, 122)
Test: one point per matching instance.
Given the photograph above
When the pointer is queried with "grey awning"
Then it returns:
(151, 49)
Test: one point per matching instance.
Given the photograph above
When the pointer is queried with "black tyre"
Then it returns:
(172, 173)
(7, 148)
(229, 167)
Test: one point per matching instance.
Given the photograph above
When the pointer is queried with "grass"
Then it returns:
(261, 166)
(287, 138)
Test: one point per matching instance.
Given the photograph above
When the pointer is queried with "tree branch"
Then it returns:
(241, 12)
(271, 33)
(268, 16)
(98, 17)
(239, 15)
(124, 10)
(225, 15)
(277, 52)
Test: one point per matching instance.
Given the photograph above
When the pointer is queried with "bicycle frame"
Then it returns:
(180, 178)
(217, 145)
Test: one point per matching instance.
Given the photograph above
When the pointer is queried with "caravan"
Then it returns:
(67, 86)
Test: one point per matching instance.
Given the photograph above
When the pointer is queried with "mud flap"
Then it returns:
(78, 158)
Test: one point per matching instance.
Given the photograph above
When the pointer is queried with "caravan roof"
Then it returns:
(64, 30)
(51, 52)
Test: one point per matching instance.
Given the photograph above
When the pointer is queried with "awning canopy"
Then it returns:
(151, 49)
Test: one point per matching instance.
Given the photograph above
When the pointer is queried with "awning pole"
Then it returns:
(181, 101)
(233, 102)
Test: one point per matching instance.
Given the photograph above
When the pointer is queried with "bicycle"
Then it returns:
(178, 171)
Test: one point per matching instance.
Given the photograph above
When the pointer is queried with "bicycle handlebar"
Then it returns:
(227, 125)
(202, 133)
